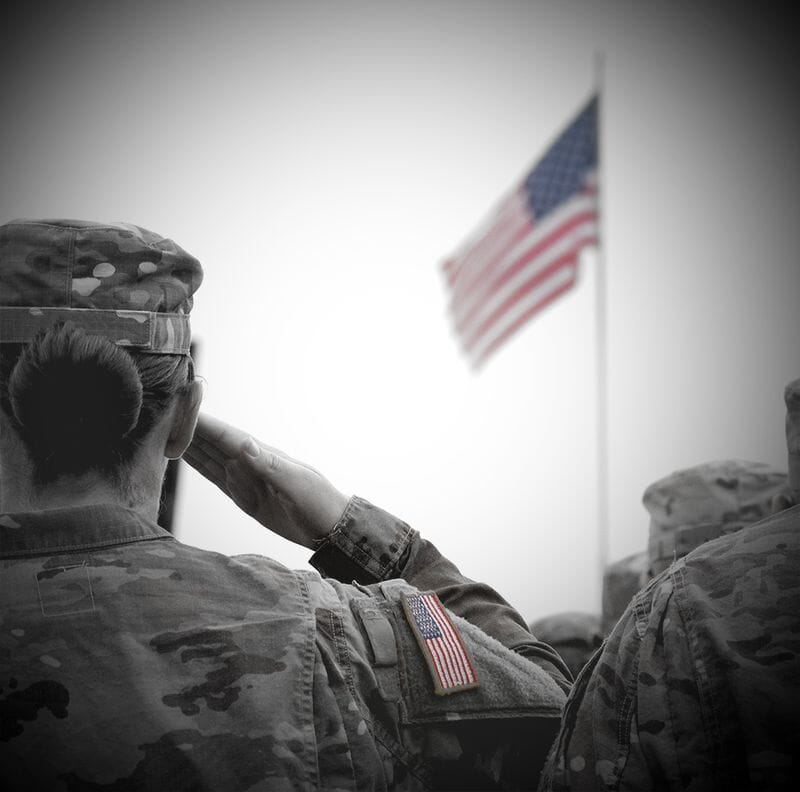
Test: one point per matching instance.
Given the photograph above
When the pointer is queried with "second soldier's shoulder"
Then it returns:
(769, 541)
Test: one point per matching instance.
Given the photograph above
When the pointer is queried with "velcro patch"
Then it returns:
(448, 660)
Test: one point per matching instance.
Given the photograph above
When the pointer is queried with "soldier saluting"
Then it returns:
(131, 661)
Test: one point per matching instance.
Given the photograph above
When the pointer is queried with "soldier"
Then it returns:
(130, 661)
(698, 685)
(621, 580)
(575, 635)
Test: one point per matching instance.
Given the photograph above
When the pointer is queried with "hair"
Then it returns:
(80, 403)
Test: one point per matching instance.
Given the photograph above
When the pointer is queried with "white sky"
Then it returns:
(322, 158)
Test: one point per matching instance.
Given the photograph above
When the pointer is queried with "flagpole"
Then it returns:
(601, 341)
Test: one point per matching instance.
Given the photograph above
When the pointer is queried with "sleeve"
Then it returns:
(368, 545)
(620, 729)
(445, 703)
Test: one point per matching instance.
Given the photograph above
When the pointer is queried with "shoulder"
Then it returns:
(752, 575)
(752, 544)
(452, 705)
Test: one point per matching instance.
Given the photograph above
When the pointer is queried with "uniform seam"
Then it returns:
(56, 550)
(689, 618)
(307, 684)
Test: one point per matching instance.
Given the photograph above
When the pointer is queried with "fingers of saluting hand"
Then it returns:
(223, 442)
(222, 452)
(207, 462)
(217, 436)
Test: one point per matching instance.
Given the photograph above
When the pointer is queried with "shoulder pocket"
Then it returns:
(504, 684)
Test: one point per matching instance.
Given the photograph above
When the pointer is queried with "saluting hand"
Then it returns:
(285, 495)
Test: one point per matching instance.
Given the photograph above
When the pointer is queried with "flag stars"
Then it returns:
(563, 169)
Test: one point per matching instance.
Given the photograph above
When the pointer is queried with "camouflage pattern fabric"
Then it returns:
(130, 661)
(162, 333)
(698, 686)
(791, 397)
(700, 503)
(575, 635)
(111, 267)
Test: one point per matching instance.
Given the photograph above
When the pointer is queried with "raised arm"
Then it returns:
(353, 539)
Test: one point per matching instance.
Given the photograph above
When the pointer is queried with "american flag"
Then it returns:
(526, 254)
(441, 644)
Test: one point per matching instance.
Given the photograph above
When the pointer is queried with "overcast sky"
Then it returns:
(321, 159)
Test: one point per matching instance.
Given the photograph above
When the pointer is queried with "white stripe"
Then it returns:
(440, 657)
(441, 662)
(558, 279)
(447, 651)
(453, 641)
(468, 326)
(485, 227)
(475, 260)
(448, 656)
(433, 649)
(580, 201)
(576, 205)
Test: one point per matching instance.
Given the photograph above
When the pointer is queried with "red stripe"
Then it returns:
(511, 329)
(511, 221)
(491, 261)
(448, 662)
(470, 336)
(441, 618)
(485, 269)
(536, 251)
(449, 652)
(447, 678)
(436, 655)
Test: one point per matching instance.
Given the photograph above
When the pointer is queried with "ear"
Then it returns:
(184, 419)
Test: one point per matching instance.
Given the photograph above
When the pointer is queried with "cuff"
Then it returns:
(365, 546)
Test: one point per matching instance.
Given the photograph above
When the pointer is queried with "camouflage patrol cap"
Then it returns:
(700, 503)
(621, 580)
(575, 635)
(116, 280)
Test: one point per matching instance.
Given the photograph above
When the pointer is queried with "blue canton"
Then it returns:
(427, 626)
(561, 171)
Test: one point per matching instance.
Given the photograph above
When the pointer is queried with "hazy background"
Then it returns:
(322, 158)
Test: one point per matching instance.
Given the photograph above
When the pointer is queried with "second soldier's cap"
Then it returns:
(621, 580)
(575, 635)
(692, 506)
(116, 280)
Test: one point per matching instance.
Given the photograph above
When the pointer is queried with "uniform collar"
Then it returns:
(80, 528)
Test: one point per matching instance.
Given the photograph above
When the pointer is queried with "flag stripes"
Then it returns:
(526, 254)
(456, 666)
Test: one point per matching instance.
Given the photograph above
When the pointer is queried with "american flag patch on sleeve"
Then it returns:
(447, 658)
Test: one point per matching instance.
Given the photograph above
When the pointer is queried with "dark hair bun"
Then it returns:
(75, 397)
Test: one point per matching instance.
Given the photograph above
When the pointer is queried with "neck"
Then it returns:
(75, 491)
(139, 490)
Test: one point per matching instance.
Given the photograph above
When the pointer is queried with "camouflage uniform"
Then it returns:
(698, 685)
(130, 661)
(117, 280)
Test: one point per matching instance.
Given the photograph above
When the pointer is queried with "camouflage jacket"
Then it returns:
(130, 661)
(698, 685)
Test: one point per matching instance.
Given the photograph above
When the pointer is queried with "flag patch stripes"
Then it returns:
(445, 654)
